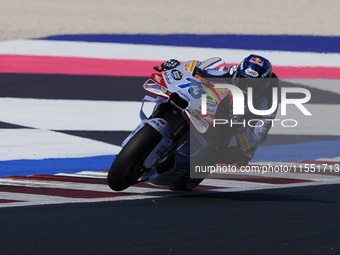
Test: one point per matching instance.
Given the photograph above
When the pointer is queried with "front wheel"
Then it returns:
(128, 164)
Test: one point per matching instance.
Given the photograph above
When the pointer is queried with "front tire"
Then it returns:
(128, 164)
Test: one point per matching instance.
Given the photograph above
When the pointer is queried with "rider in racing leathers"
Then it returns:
(256, 72)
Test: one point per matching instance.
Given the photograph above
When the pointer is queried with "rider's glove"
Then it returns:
(170, 64)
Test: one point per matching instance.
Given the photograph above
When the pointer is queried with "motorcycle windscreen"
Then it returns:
(154, 88)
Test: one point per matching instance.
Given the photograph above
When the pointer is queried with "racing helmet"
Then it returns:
(254, 71)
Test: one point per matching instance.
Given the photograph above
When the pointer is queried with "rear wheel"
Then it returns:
(128, 165)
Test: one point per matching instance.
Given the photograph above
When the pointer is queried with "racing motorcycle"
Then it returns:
(165, 146)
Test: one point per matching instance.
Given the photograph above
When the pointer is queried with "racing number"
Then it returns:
(196, 92)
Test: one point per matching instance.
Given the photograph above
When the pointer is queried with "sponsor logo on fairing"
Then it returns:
(190, 66)
(177, 75)
(158, 78)
(167, 78)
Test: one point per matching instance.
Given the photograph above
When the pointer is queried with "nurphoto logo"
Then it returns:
(239, 103)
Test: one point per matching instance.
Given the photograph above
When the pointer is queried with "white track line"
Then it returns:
(159, 53)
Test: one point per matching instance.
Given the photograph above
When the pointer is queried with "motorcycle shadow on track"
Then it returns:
(282, 195)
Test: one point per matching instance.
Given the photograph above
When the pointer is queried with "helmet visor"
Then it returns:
(257, 84)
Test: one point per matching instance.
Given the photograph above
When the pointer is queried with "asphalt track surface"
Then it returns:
(300, 220)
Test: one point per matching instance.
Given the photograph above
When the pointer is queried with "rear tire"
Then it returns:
(128, 164)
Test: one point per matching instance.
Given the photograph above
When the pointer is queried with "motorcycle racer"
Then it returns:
(256, 72)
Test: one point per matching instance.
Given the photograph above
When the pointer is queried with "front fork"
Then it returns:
(166, 120)
(162, 147)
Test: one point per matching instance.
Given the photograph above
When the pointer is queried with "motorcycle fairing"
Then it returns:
(190, 88)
